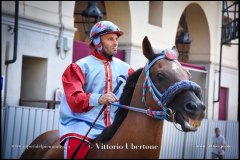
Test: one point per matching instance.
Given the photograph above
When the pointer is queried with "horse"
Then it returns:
(162, 90)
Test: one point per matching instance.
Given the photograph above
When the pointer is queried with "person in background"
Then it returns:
(218, 149)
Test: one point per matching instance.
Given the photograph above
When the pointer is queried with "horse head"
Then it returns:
(169, 86)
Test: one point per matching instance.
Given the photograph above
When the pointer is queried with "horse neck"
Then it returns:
(140, 129)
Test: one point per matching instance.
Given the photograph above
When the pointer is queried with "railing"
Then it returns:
(230, 21)
(51, 104)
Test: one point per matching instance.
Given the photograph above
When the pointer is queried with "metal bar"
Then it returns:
(39, 101)
(220, 61)
(234, 3)
(15, 35)
(230, 43)
(228, 32)
(232, 11)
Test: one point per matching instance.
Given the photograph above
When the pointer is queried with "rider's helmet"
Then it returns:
(99, 29)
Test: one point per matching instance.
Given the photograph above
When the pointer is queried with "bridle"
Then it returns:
(162, 99)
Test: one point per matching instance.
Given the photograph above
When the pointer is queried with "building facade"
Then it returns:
(46, 32)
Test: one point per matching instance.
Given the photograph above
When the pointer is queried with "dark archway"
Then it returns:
(198, 29)
(117, 12)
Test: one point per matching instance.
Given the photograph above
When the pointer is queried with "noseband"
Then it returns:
(162, 98)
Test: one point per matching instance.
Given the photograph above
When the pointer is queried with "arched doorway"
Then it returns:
(116, 12)
(196, 54)
(80, 35)
(198, 29)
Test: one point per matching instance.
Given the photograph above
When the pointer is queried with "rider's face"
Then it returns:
(110, 43)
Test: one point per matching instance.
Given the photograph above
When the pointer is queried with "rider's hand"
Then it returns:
(106, 98)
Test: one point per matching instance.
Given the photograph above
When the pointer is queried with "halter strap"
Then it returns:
(163, 97)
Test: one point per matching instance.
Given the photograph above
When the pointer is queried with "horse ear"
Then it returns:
(147, 48)
(174, 48)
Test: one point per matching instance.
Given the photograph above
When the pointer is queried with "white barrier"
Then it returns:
(198, 145)
(24, 124)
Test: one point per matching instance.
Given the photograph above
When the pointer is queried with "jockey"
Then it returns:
(88, 85)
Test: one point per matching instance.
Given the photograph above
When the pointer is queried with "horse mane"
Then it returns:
(121, 114)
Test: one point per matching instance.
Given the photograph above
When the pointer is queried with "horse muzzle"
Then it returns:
(190, 119)
(191, 112)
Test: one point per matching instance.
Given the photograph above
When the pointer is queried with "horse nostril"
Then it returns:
(191, 106)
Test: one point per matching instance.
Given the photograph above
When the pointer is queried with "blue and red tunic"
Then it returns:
(84, 82)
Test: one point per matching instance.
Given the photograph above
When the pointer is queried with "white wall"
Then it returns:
(43, 11)
(37, 36)
(229, 79)
(163, 37)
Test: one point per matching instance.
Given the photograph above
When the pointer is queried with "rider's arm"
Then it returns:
(73, 81)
